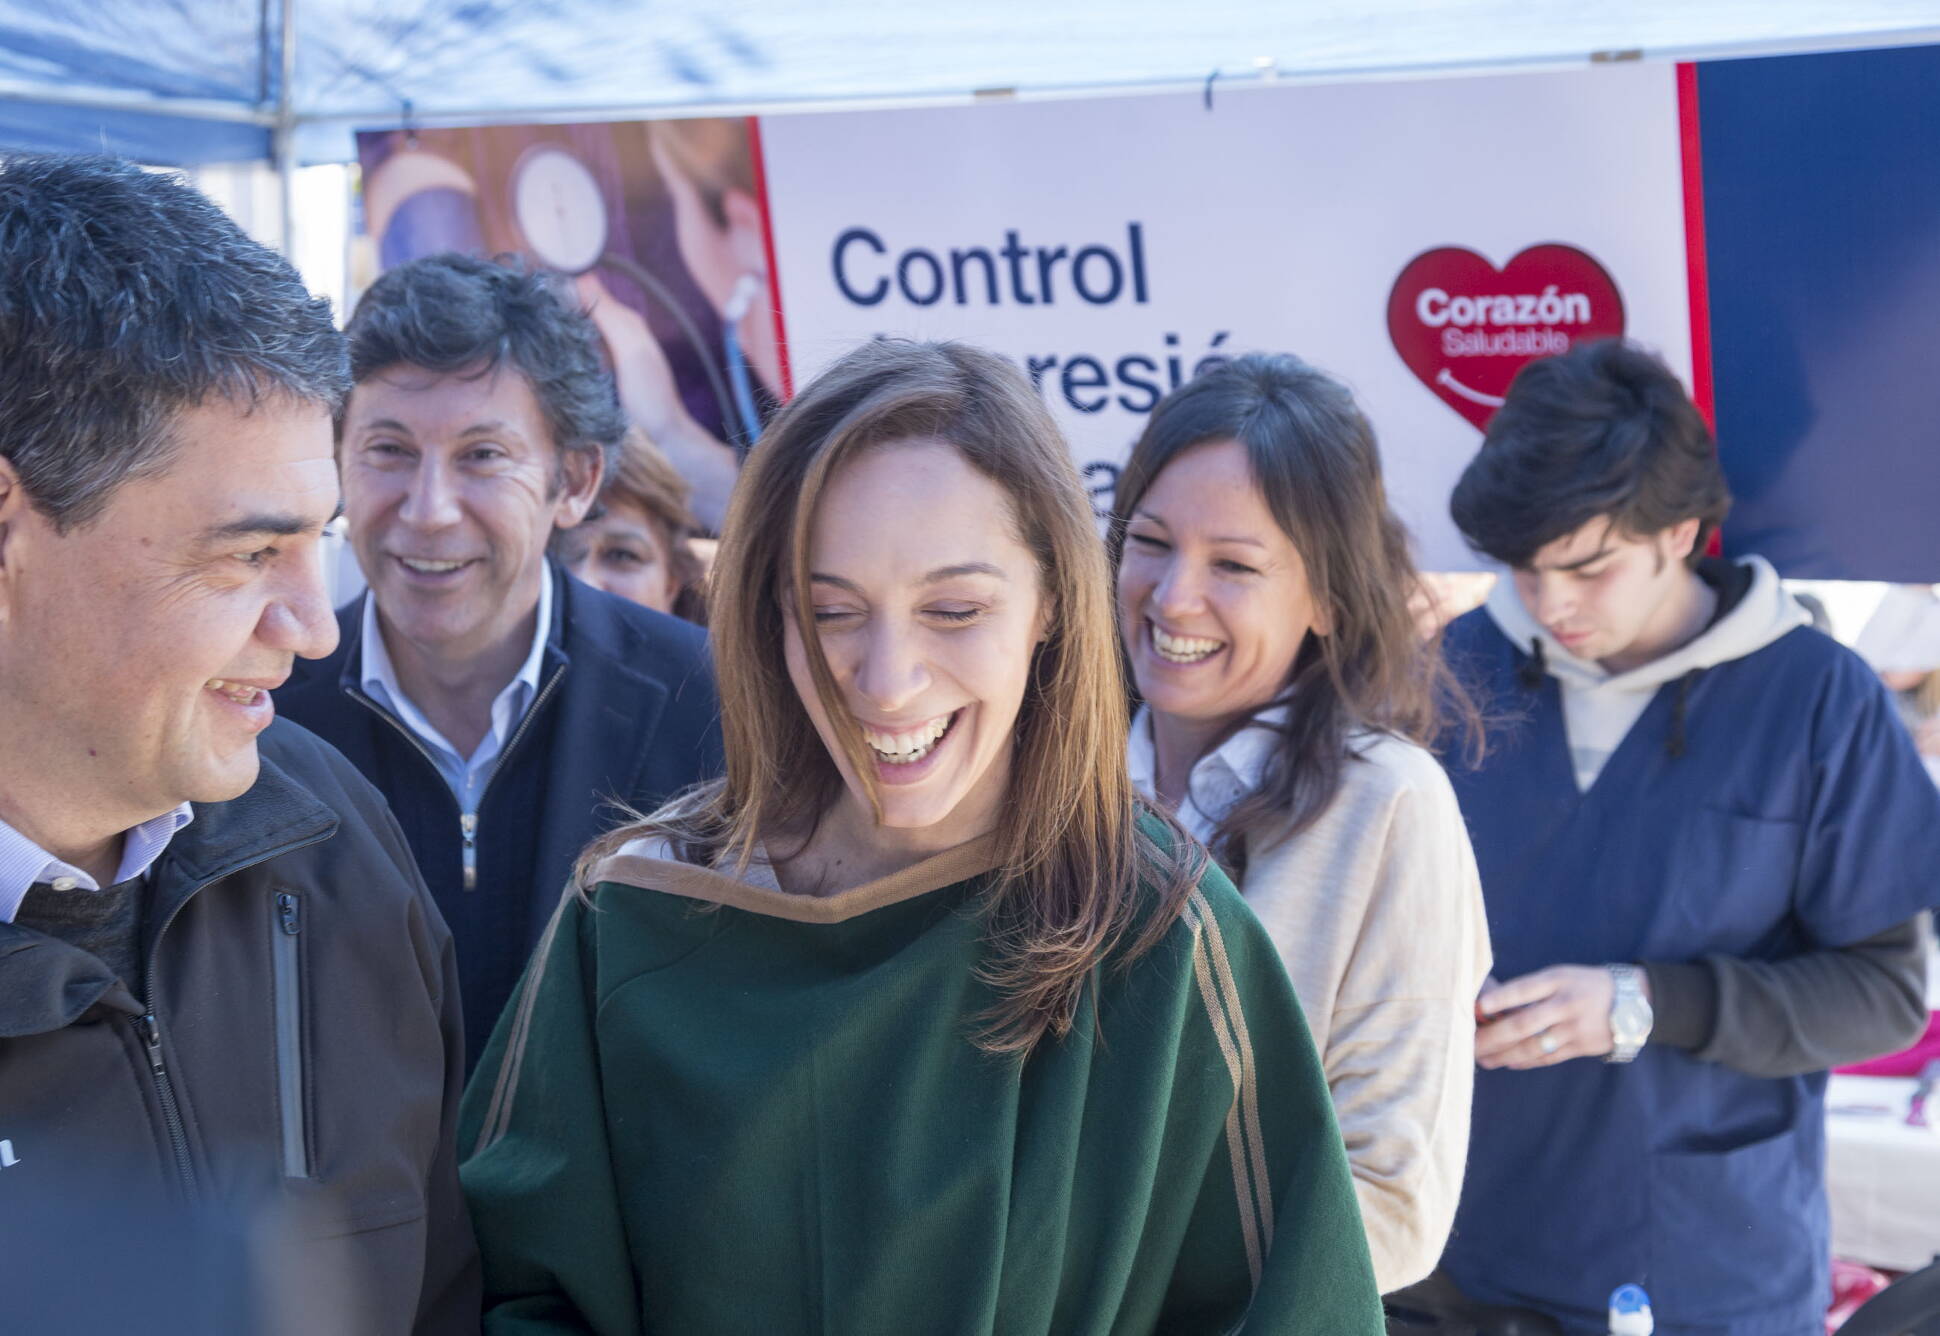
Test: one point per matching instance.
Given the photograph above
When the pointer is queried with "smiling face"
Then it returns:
(928, 607)
(624, 552)
(1607, 596)
(452, 486)
(1213, 600)
(137, 652)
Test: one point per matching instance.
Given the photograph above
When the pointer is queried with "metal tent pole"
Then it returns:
(283, 135)
(105, 99)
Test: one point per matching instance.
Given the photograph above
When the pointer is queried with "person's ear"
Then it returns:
(1323, 622)
(745, 232)
(1045, 620)
(582, 472)
(1683, 538)
(13, 509)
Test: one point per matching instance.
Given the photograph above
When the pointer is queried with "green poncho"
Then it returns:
(716, 1107)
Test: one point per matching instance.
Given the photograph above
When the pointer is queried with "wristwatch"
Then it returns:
(1630, 1015)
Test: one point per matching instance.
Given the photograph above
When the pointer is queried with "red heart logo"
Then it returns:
(1465, 327)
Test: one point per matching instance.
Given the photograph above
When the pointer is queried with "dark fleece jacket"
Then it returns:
(262, 1140)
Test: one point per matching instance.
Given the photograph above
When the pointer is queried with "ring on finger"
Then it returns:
(1548, 1043)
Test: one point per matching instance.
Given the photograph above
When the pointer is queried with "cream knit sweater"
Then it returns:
(1377, 912)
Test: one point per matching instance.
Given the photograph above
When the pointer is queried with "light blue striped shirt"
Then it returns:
(23, 863)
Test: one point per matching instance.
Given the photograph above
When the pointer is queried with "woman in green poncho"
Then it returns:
(913, 1023)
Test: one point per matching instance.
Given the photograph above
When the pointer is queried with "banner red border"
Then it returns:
(1694, 253)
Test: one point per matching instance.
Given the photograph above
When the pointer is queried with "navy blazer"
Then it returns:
(635, 720)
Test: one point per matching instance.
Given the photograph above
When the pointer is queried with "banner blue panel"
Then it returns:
(1822, 220)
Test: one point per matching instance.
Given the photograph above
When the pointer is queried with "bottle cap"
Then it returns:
(1630, 1312)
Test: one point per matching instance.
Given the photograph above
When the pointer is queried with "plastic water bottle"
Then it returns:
(1630, 1312)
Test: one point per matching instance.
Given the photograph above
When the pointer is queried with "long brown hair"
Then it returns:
(1314, 459)
(1071, 854)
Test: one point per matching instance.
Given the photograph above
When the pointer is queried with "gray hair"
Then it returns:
(126, 297)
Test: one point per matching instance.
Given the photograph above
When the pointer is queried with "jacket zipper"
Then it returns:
(288, 980)
(467, 821)
(468, 832)
(151, 1030)
(178, 1138)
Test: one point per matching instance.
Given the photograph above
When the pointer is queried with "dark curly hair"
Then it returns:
(1603, 431)
(126, 298)
(458, 314)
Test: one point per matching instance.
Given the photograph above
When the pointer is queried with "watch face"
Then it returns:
(1630, 1021)
(560, 209)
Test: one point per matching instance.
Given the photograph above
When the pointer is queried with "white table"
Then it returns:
(1882, 1176)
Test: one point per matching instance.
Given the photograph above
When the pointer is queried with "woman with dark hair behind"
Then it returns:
(638, 543)
(1263, 592)
(915, 1021)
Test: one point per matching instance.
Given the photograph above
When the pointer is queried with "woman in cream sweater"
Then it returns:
(1263, 590)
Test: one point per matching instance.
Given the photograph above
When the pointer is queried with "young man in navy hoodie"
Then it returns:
(1705, 843)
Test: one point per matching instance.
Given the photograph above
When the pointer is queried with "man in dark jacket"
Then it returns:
(502, 707)
(229, 1024)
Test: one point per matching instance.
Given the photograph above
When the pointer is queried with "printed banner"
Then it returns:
(1422, 240)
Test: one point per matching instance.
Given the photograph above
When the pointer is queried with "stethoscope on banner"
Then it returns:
(561, 210)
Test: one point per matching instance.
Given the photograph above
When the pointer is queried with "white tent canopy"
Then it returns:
(171, 81)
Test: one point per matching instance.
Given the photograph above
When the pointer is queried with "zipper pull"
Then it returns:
(151, 1034)
(289, 913)
(468, 829)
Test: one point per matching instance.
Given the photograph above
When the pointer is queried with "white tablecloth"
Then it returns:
(1883, 1177)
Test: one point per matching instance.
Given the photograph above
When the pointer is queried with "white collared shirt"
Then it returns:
(466, 776)
(1220, 778)
(24, 863)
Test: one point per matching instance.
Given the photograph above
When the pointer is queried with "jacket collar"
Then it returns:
(276, 815)
(345, 666)
(648, 863)
(46, 984)
(376, 674)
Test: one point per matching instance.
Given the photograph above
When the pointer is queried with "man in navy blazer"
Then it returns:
(504, 709)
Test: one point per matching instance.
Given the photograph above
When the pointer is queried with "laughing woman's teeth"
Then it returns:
(242, 695)
(908, 748)
(1184, 649)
